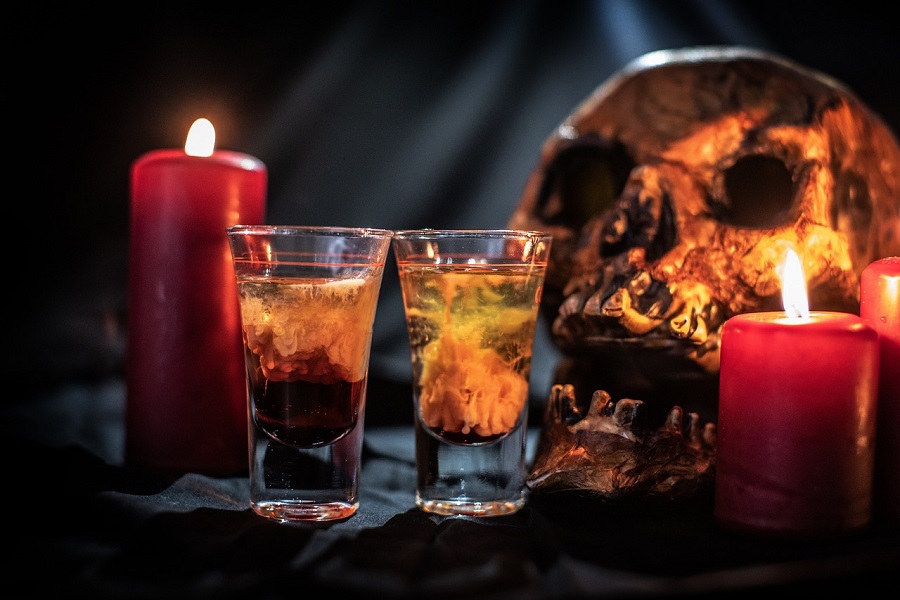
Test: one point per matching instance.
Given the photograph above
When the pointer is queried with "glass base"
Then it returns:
(470, 508)
(290, 512)
(477, 480)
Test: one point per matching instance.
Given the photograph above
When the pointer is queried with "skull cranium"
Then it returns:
(673, 193)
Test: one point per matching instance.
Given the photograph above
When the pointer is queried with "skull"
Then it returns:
(673, 193)
(610, 451)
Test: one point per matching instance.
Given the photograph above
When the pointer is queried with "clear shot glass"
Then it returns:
(307, 300)
(471, 300)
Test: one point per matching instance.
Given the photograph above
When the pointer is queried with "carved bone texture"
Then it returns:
(674, 190)
(608, 450)
(673, 193)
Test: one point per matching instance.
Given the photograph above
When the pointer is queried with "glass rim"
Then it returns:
(309, 229)
(469, 233)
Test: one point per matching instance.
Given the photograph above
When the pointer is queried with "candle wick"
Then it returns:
(796, 311)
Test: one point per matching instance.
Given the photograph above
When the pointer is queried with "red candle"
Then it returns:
(879, 307)
(796, 421)
(186, 407)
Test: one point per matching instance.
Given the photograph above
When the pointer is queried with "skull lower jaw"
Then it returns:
(674, 361)
(660, 374)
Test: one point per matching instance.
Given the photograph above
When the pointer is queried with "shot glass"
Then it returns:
(307, 300)
(471, 299)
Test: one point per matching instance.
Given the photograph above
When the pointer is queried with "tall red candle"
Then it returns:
(186, 406)
(796, 424)
(879, 307)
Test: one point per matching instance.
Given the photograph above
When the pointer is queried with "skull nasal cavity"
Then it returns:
(760, 193)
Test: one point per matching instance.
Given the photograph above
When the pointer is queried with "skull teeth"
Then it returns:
(689, 325)
(640, 305)
(620, 306)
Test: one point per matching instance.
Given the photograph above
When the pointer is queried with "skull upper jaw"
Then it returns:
(673, 193)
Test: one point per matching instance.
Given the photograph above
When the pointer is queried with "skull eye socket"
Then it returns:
(759, 193)
(853, 208)
(584, 180)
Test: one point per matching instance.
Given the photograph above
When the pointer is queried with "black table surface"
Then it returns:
(80, 523)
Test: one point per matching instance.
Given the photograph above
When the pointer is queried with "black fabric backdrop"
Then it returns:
(390, 115)
(383, 114)
(79, 524)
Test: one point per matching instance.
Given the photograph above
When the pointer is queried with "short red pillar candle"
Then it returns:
(186, 406)
(879, 307)
(796, 424)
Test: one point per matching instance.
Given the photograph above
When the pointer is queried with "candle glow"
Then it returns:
(879, 307)
(201, 138)
(186, 396)
(793, 287)
(796, 426)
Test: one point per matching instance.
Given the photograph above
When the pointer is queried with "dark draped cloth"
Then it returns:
(393, 115)
(81, 524)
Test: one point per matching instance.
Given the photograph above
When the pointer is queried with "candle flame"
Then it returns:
(793, 287)
(201, 139)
